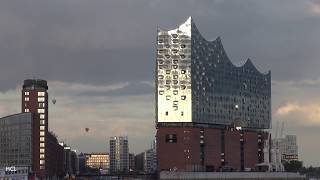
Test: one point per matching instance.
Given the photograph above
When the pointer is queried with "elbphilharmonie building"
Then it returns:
(210, 114)
(197, 83)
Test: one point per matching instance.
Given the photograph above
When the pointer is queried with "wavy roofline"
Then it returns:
(247, 63)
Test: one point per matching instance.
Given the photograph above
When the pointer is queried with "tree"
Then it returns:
(292, 166)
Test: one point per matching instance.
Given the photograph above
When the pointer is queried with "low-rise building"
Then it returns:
(99, 161)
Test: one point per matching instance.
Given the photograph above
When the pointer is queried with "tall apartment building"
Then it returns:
(35, 100)
(119, 154)
(210, 114)
(47, 151)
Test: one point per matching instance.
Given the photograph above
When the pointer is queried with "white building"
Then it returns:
(119, 154)
(288, 147)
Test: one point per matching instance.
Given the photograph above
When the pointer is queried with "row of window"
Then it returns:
(40, 99)
(167, 113)
(27, 93)
(183, 97)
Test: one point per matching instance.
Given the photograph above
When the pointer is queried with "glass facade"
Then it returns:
(16, 140)
(119, 154)
(98, 160)
(196, 82)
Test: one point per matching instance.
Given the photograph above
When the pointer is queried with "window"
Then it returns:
(183, 71)
(42, 145)
(42, 162)
(26, 99)
(168, 97)
(175, 41)
(175, 92)
(41, 99)
(41, 156)
(42, 133)
(168, 71)
(41, 93)
(26, 110)
(183, 97)
(41, 110)
(171, 138)
(161, 92)
(42, 116)
(181, 113)
(42, 105)
(41, 150)
(41, 139)
(42, 122)
(167, 113)
(41, 167)
(42, 128)
(26, 93)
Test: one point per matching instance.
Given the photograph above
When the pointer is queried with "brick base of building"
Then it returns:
(209, 149)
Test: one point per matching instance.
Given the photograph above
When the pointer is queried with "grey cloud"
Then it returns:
(102, 42)
(133, 88)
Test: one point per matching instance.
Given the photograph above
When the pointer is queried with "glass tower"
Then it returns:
(197, 83)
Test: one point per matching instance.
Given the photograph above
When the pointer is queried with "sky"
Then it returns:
(98, 57)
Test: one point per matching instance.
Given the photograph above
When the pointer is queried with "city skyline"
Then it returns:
(87, 65)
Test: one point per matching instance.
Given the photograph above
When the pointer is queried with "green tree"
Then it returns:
(293, 166)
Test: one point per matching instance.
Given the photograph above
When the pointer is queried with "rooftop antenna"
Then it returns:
(281, 130)
(277, 128)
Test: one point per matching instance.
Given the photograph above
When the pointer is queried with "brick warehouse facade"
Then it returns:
(208, 149)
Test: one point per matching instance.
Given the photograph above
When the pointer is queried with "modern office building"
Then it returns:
(146, 162)
(16, 140)
(98, 161)
(291, 148)
(131, 162)
(70, 160)
(287, 147)
(82, 163)
(119, 154)
(210, 114)
(139, 162)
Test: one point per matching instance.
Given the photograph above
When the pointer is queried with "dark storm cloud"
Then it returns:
(101, 42)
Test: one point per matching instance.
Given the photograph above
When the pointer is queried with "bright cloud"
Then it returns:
(309, 114)
(314, 7)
